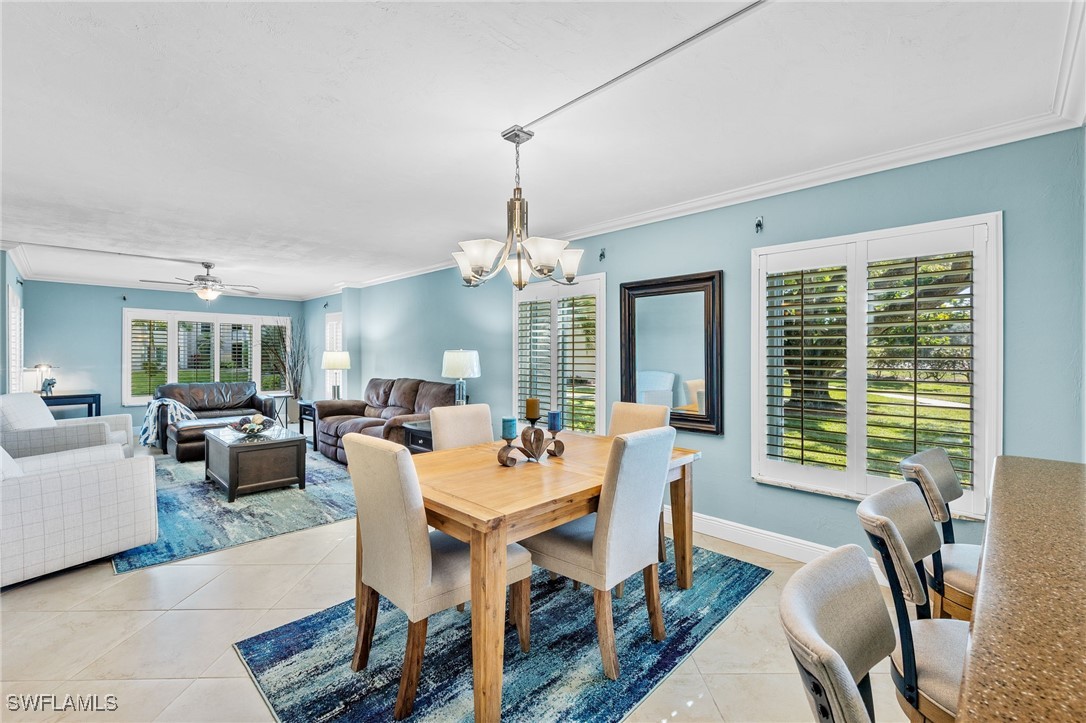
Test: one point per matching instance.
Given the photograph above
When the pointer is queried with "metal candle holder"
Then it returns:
(533, 443)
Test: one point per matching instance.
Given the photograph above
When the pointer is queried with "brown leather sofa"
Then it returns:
(385, 407)
(215, 404)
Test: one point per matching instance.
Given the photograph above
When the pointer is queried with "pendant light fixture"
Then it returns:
(524, 257)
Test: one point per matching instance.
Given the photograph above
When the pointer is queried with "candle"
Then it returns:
(509, 427)
(554, 421)
(531, 408)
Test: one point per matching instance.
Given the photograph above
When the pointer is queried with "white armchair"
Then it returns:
(74, 506)
(29, 428)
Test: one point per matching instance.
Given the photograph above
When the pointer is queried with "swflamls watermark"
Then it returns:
(52, 703)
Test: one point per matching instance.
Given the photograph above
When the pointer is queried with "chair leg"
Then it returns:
(367, 615)
(620, 589)
(412, 664)
(605, 631)
(552, 575)
(576, 585)
(460, 608)
(521, 594)
(662, 554)
(652, 601)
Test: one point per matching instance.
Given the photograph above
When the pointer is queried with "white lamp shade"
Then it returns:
(571, 259)
(460, 364)
(481, 253)
(544, 251)
(464, 265)
(336, 360)
(525, 270)
(208, 294)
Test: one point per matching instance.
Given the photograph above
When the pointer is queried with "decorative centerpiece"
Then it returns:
(252, 426)
(533, 442)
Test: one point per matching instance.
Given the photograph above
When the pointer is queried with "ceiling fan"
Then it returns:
(206, 286)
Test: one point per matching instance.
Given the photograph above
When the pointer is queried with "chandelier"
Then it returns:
(524, 257)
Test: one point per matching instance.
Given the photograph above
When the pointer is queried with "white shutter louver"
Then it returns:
(273, 340)
(148, 354)
(194, 351)
(235, 352)
(533, 352)
(577, 362)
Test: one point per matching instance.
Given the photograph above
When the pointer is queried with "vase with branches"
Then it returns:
(291, 358)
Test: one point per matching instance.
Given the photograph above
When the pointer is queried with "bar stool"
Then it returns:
(927, 666)
(837, 626)
(951, 574)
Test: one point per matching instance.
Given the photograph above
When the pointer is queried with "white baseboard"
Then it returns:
(793, 548)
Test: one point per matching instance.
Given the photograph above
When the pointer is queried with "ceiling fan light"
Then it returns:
(207, 293)
(544, 253)
(481, 253)
(570, 260)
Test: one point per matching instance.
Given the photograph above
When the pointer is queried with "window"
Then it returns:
(333, 341)
(558, 356)
(170, 346)
(871, 347)
(15, 341)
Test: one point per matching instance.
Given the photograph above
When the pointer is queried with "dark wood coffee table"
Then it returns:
(250, 464)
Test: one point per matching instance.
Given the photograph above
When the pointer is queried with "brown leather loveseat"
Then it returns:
(385, 407)
(215, 404)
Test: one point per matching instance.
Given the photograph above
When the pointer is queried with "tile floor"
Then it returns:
(160, 639)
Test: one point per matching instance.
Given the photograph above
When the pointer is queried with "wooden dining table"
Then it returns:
(469, 496)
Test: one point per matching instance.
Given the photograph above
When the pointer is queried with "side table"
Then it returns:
(306, 410)
(418, 437)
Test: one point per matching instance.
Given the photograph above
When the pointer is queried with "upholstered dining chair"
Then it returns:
(628, 417)
(603, 549)
(927, 665)
(952, 574)
(461, 426)
(835, 619)
(420, 572)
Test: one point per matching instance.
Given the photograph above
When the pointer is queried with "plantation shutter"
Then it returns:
(148, 354)
(920, 361)
(235, 352)
(577, 362)
(806, 346)
(195, 362)
(15, 342)
(533, 353)
(333, 341)
(273, 340)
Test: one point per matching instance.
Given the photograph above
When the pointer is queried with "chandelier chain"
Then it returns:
(517, 179)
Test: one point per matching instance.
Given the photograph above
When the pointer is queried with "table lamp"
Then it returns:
(336, 361)
(460, 364)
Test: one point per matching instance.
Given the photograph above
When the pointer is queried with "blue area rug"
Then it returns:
(194, 517)
(303, 668)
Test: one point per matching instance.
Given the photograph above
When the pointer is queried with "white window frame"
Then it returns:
(172, 318)
(983, 235)
(547, 291)
(333, 341)
(16, 361)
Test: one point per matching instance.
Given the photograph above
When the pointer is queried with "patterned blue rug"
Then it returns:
(303, 668)
(194, 517)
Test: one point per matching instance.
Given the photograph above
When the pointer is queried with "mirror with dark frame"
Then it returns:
(671, 347)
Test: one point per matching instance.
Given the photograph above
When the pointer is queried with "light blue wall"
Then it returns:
(79, 328)
(1037, 183)
(314, 311)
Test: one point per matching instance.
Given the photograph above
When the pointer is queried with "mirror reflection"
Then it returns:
(670, 354)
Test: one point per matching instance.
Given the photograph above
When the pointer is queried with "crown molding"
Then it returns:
(1070, 99)
(1038, 125)
(386, 279)
(21, 261)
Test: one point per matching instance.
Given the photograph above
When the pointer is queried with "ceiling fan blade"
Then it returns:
(187, 281)
(172, 283)
(244, 286)
(242, 289)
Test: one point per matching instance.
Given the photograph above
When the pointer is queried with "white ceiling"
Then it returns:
(305, 146)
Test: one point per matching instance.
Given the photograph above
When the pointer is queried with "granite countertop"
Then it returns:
(1027, 651)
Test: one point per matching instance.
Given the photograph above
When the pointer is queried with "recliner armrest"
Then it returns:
(401, 420)
(266, 405)
(334, 407)
(44, 440)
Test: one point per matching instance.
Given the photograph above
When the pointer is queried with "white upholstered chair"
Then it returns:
(835, 619)
(27, 427)
(461, 426)
(605, 548)
(952, 572)
(927, 665)
(69, 507)
(420, 572)
(695, 394)
(628, 417)
(655, 387)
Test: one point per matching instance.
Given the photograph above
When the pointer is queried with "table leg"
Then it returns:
(357, 573)
(488, 621)
(682, 524)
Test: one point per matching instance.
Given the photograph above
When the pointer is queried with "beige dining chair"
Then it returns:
(952, 574)
(420, 572)
(603, 549)
(461, 426)
(835, 619)
(695, 394)
(628, 417)
(927, 665)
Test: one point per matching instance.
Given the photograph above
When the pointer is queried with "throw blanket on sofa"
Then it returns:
(175, 411)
